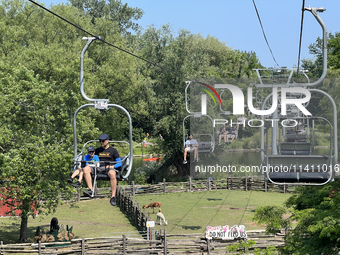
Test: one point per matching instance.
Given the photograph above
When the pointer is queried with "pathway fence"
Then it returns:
(164, 244)
(231, 183)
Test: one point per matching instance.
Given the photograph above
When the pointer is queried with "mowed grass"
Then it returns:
(187, 212)
(191, 212)
(89, 218)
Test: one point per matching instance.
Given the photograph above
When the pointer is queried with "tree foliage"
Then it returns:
(316, 211)
(39, 88)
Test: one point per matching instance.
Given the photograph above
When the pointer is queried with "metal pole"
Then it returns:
(130, 136)
(335, 123)
(75, 126)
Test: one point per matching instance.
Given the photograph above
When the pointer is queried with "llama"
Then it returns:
(153, 205)
(160, 217)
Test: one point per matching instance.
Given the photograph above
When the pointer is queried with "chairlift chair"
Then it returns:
(102, 105)
(205, 145)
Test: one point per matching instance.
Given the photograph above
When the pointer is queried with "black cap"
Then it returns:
(104, 137)
(90, 148)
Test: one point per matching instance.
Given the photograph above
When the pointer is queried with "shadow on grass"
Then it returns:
(214, 199)
(10, 233)
(191, 227)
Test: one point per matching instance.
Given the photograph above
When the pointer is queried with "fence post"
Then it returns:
(208, 246)
(82, 246)
(164, 187)
(124, 244)
(1, 248)
(265, 186)
(246, 183)
(165, 248)
(190, 183)
(133, 188)
(208, 183)
(77, 196)
(39, 247)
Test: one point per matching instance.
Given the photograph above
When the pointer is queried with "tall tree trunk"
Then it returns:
(24, 222)
(23, 229)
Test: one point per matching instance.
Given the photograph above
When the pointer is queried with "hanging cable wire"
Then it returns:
(177, 224)
(302, 15)
(264, 34)
(110, 44)
(219, 208)
(245, 209)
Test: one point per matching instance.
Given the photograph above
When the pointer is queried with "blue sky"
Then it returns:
(236, 23)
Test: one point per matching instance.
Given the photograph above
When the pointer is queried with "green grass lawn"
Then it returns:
(89, 218)
(187, 212)
(192, 212)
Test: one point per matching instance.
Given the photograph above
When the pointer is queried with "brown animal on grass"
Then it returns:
(153, 205)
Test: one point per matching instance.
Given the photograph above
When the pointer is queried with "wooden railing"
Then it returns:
(164, 244)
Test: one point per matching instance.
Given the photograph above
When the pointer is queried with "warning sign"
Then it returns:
(150, 224)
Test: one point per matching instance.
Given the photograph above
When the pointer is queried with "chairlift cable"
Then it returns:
(264, 34)
(219, 207)
(245, 208)
(302, 15)
(188, 211)
(110, 44)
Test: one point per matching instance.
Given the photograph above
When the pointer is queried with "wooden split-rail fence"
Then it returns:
(164, 244)
(230, 183)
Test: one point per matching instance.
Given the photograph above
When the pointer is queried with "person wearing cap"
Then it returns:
(89, 158)
(110, 161)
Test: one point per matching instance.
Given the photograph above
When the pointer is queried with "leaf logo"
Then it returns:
(209, 93)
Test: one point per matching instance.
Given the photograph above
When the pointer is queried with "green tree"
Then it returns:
(185, 57)
(39, 88)
(35, 145)
(113, 11)
(316, 211)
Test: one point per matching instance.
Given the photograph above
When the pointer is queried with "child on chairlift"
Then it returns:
(89, 158)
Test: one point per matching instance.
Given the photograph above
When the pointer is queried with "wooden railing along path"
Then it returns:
(164, 244)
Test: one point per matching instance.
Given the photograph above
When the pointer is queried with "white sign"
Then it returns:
(150, 224)
(225, 232)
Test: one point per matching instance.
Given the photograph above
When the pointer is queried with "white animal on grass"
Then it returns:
(161, 217)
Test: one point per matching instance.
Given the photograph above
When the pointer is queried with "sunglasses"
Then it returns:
(91, 151)
(102, 141)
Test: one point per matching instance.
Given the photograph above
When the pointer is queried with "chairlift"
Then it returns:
(122, 172)
(205, 140)
(291, 161)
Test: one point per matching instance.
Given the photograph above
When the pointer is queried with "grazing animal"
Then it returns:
(153, 205)
(160, 217)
